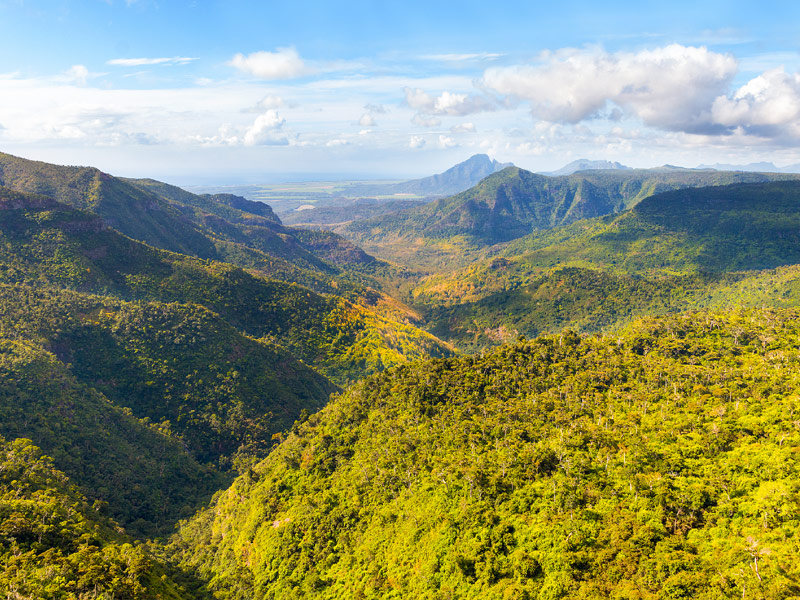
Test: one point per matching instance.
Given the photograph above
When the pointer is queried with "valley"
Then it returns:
(535, 386)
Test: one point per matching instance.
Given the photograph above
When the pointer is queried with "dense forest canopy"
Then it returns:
(320, 423)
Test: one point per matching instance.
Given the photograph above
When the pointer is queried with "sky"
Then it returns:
(225, 92)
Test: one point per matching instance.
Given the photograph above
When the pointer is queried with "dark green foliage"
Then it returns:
(590, 300)
(657, 463)
(222, 393)
(138, 214)
(144, 477)
(55, 546)
(736, 227)
(219, 227)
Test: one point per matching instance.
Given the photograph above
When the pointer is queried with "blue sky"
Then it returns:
(244, 91)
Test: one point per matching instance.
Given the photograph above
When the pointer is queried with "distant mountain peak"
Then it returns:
(584, 164)
(760, 167)
(456, 179)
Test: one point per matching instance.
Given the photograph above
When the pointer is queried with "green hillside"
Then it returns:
(49, 244)
(513, 203)
(220, 227)
(179, 365)
(140, 215)
(55, 545)
(656, 463)
(591, 300)
(143, 477)
(675, 251)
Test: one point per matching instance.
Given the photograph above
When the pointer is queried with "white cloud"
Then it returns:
(284, 63)
(671, 87)
(140, 62)
(416, 141)
(336, 142)
(463, 128)
(767, 105)
(366, 120)
(263, 130)
(447, 103)
(446, 142)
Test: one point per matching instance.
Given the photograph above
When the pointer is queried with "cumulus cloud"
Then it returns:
(366, 120)
(672, 87)
(463, 128)
(767, 105)
(447, 103)
(375, 109)
(336, 142)
(284, 63)
(264, 130)
(446, 142)
(416, 141)
(141, 62)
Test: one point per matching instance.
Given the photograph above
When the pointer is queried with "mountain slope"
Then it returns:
(684, 249)
(219, 227)
(178, 365)
(55, 545)
(143, 477)
(514, 202)
(655, 463)
(47, 243)
(140, 215)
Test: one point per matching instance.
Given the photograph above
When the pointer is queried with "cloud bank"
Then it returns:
(672, 88)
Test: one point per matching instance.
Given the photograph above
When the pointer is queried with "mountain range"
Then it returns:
(199, 401)
(584, 164)
(361, 201)
(513, 203)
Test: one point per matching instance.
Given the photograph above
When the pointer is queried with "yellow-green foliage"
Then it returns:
(55, 546)
(657, 463)
(67, 248)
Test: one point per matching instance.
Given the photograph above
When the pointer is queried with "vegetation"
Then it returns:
(656, 459)
(514, 203)
(675, 251)
(658, 463)
(136, 472)
(62, 247)
(54, 545)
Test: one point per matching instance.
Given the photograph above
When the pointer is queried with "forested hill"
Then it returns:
(55, 543)
(514, 202)
(656, 463)
(213, 227)
(65, 248)
(706, 247)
